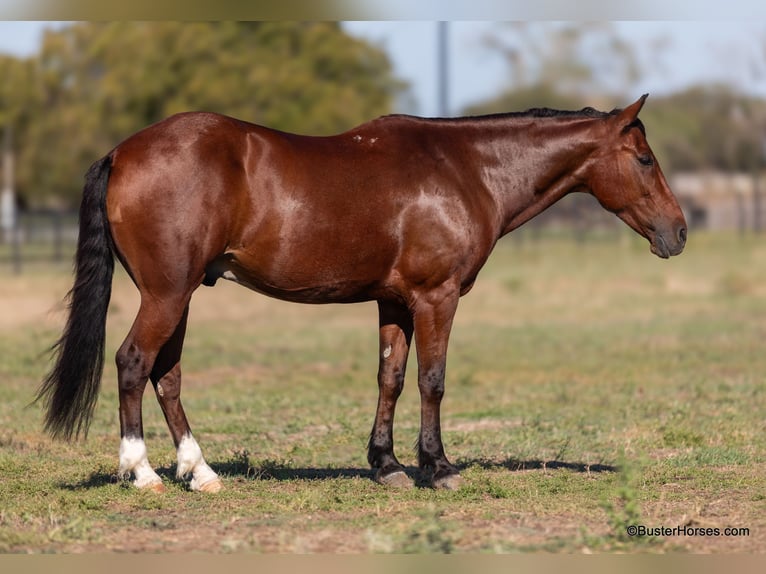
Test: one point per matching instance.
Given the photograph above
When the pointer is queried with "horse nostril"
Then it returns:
(682, 235)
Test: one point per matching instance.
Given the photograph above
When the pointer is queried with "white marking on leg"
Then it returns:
(133, 459)
(190, 460)
(387, 352)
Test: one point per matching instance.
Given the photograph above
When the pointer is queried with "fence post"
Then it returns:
(756, 202)
(16, 247)
(8, 197)
(57, 236)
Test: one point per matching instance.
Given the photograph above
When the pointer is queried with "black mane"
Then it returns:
(551, 113)
(587, 112)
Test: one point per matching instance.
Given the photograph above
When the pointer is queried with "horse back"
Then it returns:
(317, 219)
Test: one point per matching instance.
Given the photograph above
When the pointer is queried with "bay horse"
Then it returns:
(401, 210)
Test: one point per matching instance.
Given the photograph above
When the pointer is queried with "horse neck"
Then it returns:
(530, 163)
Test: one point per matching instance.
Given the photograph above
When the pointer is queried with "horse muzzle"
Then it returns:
(669, 243)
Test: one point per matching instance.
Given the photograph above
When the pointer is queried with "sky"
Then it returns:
(696, 51)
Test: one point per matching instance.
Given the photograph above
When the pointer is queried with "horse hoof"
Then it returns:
(398, 479)
(212, 486)
(449, 482)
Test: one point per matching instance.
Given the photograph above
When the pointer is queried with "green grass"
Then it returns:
(589, 387)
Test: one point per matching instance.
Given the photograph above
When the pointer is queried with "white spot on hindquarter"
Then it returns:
(133, 459)
(357, 138)
(160, 390)
(190, 460)
(229, 275)
(387, 352)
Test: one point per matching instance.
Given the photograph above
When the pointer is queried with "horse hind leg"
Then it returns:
(134, 360)
(154, 325)
(166, 378)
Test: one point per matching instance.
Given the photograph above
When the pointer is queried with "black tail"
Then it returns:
(71, 388)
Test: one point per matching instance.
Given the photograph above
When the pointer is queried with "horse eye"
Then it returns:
(645, 160)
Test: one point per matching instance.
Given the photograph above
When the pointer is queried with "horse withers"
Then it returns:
(401, 210)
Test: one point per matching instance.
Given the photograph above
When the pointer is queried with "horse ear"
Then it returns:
(630, 114)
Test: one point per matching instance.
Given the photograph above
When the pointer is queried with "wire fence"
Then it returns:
(39, 237)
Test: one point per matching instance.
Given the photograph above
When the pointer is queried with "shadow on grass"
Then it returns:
(284, 471)
(95, 480)
(517, 465)
(270, 470)
(100, 479)
(266, 470)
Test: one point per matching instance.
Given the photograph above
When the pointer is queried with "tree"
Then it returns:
(707, 127)
(18, 100)
(93, 84)
(525, 98)
(566, 61)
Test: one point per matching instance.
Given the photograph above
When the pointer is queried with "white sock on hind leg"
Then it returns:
(190, 460)
(133, 459)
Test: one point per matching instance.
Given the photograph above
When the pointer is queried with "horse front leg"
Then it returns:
(395, 329)
(433, 321)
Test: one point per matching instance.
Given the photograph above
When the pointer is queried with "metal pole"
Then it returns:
(443, 57)
(16, 248)
(8, 198)
(741, 213)
(757, 191)
(57, 236)
(756, 202)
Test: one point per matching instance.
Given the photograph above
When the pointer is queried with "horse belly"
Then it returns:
(314, 276)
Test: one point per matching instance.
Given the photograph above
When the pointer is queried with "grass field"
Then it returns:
(589, 387)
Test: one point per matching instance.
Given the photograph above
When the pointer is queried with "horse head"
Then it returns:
(626, 179)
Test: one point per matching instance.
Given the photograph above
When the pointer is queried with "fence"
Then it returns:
(40, 236)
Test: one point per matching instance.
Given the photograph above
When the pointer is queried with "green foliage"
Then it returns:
(707, 127)
(623, 510)
(430, 534)
(93, 84)
(524, 98)
(17, 90)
